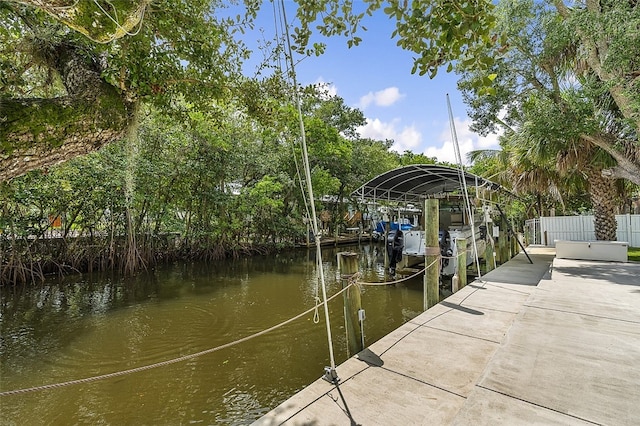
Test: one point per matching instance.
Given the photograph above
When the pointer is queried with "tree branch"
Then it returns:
(36, 133)
(596, 49)
(626, 169)
(103, 28)
(621, 173)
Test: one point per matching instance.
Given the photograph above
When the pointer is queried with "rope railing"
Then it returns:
(371, 284)
(452, 257)
(410, 276)
(170, 361)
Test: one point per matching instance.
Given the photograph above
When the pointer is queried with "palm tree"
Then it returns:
(553, 115)
(556, 171)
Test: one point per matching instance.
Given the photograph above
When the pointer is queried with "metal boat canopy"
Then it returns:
(416, 182)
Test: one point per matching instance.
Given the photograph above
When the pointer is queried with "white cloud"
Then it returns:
(385, 97)
(376, 129)
(467, 141)
(410, 138)
(405, 138)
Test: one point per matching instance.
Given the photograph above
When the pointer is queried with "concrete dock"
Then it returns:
(553, 342)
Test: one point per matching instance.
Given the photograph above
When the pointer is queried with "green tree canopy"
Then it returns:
(74, 73)
(65, 94)
(557, 114)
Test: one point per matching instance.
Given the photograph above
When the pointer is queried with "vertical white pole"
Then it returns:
(314, 218)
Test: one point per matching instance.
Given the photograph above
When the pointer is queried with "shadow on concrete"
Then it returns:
(476, 287)
(615, 273)
(368, 356)
(520, 272)
(461, 308)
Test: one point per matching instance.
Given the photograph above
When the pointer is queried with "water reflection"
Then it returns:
(98, 324)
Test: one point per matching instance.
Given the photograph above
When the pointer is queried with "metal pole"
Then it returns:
(511, 230)
(314, 218)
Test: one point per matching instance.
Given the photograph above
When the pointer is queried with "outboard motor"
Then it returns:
(483, 232)
(395, 244)
(446, 250)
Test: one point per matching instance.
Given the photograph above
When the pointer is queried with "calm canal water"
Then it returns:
(97, 324)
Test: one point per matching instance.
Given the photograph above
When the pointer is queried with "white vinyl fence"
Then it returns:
(547, 230)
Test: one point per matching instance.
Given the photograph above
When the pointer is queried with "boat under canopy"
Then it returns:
(414, 183)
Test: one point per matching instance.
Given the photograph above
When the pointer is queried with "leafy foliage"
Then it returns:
(215, 155)
(556, 116)
(213, 185)
(172, 54)
(438, 31)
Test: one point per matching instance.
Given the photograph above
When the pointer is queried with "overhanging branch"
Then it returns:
(106, 23)
(37, 133)
(626, 169)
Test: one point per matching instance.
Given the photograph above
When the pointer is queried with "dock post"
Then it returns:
(521, 239)
(512, 245)
(348, 266)
(507, 240)
(490, 261)
(387, 226)
(502, 244)
(432, 253)
(515, 237)
(461, 248)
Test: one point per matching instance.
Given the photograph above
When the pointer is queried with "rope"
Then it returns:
(167, 362)
(406, 278)
(402, 279)
(452, 257)
(115, 20)
(392, 282)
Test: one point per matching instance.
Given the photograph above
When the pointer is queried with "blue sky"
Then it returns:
(375, 77)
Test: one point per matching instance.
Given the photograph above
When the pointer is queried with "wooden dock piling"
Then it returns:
(461, 247)
(432, 253)
(348, 266)
(489, 259)
(502, 244)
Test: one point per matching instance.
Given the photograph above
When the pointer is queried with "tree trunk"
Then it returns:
(37, 133)
(628, 161)
(604, 199)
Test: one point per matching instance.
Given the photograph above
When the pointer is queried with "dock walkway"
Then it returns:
(528, 344)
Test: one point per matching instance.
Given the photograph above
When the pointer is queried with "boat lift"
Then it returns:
(412, 185)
